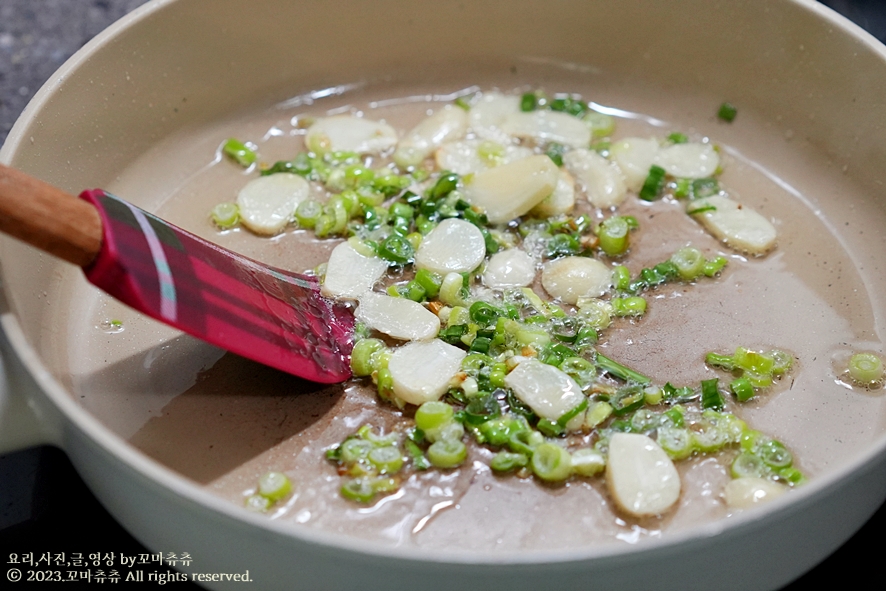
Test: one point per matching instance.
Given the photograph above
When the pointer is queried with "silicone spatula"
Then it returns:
(266, 314)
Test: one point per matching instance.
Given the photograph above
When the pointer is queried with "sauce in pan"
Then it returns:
(222, 421)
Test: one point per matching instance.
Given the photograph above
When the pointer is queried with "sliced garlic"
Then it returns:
(641, 477)
(601, 179)
(399, 318)
(349, 274)
(739, 226)
(446, 125)
(454, 246)
(548, 126)
(691, 160)
(268, 202)
(634, 156)
(423, 371)
(562, 200)
(571, 278)
(487, 115)
(510, 190)
(742, 493)
(549, 392)
(472, 156)
(350, 134)
(509, 268)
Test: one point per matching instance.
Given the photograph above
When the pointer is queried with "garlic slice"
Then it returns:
(509, 268)
(510, 190)
(634, 156)
(549, 392)
(268, 203)
(602, 180)
(571, 278)
(350, 134)
(487, 115)
(548, 126)
(423, 371)
(454, 246)
(745, 492)
(691, 160)
(349, 274)
(641, 477)
(472, 156)
(739, 226)
(399, 318)
(562, 200)
(446, 125)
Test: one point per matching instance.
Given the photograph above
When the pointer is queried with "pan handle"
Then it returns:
(48, 218)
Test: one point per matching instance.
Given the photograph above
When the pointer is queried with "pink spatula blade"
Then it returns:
(263, 313)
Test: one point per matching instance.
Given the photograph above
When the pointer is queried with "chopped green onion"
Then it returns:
(432, 415)
(528, 102)
(613, 235)
(241, 153)
(727, 112)
(307, 213)
(676, 442)
(653, 184)
(678, 138)
(630, 306)
(396, 249)
(690, 262)
(746, 465)
(620, 371)
(388, 459)
(866, 368)
(258, 503)
(706, 187)
(710, 394)
(505, 461)
(226, 215)
(742, 389)
(364, 356)
(555, 153)
(447, 453)
(551, 462)
(274, 486)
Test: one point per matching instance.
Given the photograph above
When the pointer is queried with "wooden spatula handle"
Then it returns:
(48, 218)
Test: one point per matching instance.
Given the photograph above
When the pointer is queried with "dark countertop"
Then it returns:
(43, 503)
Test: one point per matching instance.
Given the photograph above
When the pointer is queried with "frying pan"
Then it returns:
(790, 63)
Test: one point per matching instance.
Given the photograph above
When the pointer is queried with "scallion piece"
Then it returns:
(747, 464)
(653, 184)
(447, 453)
(551, 462)
(387, 459)
(630, 306)
(866, 368)
(742, 389)
(432, 415)
(678, 138)
(613, 235)
(505, 461)
(226, 215)
(396, 249)
(620, 371)
(690, 262)
(710, 394)
(274, 486)
(307, 212)
(528, 102)
(239, 152)
(364, 356)
(727, 112)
